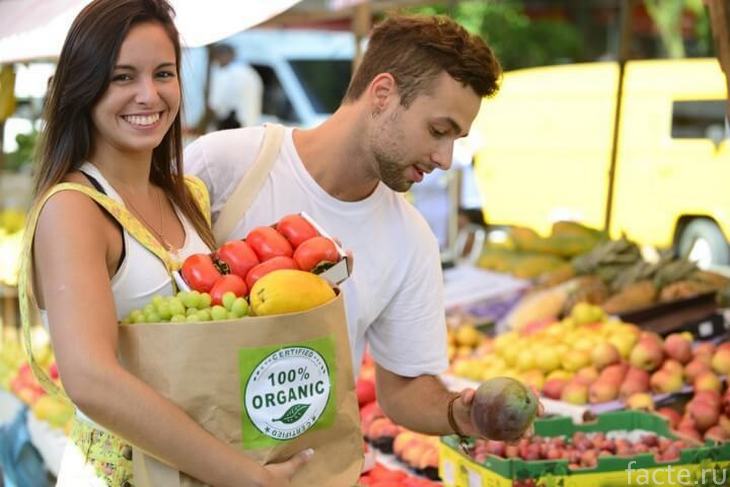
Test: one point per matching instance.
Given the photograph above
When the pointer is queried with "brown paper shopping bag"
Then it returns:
(271, 385)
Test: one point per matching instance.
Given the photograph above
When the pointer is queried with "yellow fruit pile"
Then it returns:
(464, 340)
(557, 350)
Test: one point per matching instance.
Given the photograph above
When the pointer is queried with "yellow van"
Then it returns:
(547, 144)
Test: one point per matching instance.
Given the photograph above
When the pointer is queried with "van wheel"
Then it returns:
(702, 241)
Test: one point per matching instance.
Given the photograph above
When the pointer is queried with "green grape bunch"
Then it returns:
(188, 307)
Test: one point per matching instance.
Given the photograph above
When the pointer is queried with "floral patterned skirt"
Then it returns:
(95, 458)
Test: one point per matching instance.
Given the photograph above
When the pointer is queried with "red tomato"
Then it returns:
(296, 229)
(200, 272)
(264, 268)
(314, 251)
(228, 283)
(239, 256)
(268, 243)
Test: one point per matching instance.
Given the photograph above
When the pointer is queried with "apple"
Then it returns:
(575, 393)
(716, 433)
(553, 388)
(664, 381)
(640, 400)
(636, 380)
(587, 375)
(672, 416)
(647, 355)
(603, 390)
(615, 372)
(678, 347)
(605, 354)
(696, 366)
(721, 361)
(703, 414)
(707, 381)
(365, 390)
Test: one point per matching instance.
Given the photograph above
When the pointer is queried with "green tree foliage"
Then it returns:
(667, 17)
(24, 154)
(517, 40)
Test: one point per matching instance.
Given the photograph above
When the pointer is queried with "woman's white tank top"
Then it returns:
(141, 274)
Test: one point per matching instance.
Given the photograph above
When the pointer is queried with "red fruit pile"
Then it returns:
(293, 243)
(582, 450)
(381, 476)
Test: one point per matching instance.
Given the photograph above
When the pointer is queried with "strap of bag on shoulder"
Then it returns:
(250, 184)
(29, 311)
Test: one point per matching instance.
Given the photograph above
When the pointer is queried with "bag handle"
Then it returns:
(250, 184)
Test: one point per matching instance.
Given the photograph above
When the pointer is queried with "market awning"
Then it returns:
(36, 29)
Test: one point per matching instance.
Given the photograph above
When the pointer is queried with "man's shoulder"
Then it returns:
(218, 153)
(239, 136)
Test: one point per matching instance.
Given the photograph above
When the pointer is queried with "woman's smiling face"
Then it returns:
(143, 97)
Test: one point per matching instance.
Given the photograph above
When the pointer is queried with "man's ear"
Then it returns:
(382, 92)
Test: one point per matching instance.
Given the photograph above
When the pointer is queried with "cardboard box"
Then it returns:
(459, 470)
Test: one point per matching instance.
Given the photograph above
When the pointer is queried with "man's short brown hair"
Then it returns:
(416, 49)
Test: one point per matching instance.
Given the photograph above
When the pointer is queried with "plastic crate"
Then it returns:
(697, 466)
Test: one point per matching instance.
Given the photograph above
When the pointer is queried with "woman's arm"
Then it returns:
(70, 250)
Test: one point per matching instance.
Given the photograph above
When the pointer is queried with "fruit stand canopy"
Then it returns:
(36, 29)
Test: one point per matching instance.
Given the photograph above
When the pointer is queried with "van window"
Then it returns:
(324, 80)
(698, 119)
(275, 103)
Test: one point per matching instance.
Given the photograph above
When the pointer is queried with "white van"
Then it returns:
(305, 73)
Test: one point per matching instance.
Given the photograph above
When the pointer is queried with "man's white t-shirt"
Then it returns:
(394, 297)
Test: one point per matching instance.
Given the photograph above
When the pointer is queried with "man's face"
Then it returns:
(408, 142)
(222, 57)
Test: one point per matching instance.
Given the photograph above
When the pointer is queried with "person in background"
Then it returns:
(417, 90)
(719, 11)
(236, 90)
(113, 128)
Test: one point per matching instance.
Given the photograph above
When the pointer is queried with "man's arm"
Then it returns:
(421, 403)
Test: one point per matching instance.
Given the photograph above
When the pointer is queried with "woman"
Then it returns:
(113, 127)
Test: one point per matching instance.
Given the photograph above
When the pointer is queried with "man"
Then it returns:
(418, 89)
(236, 91)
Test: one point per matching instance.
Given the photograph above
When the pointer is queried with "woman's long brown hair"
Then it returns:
(81, 78)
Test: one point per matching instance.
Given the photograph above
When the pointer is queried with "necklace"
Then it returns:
(159, 235)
